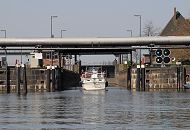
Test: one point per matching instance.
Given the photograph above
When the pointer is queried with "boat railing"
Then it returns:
(89, 75)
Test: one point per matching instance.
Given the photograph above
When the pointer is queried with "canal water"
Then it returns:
(116, 108)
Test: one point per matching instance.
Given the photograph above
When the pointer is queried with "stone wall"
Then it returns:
(37, 79)
(156, 77)
(159, 78)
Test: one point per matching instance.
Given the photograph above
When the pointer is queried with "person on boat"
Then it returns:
(187, 78)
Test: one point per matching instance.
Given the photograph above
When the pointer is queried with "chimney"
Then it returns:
(175, 11)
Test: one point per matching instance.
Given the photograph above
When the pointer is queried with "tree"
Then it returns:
(150, 30)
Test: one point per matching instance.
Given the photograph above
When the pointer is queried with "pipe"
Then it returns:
(133, 41)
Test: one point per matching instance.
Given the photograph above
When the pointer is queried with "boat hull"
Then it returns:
(93, 86)
(186, 86)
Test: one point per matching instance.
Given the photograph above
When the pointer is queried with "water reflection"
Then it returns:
(113, 109)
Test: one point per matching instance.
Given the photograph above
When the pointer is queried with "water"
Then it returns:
(117, 109)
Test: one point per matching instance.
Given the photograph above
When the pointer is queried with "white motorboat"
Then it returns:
(186, 85)
(93, 80)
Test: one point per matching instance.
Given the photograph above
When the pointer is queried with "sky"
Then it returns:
(85, 18)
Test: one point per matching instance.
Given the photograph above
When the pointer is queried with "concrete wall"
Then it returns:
(36, 79)
(156, 78)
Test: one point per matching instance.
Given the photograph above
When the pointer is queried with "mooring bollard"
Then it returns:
(18, 78)
(143, 77)
(24, 78)
(48, 78)
(53, 78)
(138, 80)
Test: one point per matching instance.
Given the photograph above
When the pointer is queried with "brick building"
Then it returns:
(178, 26)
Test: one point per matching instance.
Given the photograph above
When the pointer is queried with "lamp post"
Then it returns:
(52, 36)
(62, 33)
(137, 15)
(4, 32)
(131, 32)
(52, 25)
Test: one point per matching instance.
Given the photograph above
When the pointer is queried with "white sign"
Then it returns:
(38, 55)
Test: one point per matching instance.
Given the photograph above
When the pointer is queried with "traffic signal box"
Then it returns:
(162, 56)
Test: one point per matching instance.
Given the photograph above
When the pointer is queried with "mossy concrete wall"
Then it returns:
(36, 79)
(156, 77)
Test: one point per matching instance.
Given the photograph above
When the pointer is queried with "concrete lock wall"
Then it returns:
(155, 77)
(160, 78)
(37, 79)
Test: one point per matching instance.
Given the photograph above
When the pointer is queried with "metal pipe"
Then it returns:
(102, 48)
(98, 42)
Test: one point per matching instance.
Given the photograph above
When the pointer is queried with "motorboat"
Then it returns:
(93, 80)
(186, 85)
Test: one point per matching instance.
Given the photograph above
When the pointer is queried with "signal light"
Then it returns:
(162, 56)
(158, 59)
(166, 52)
(166, 59)
(159, 52)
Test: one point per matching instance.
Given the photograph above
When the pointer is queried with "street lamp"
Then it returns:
(137, 15)
(4, 32)
(131, 32)
(52, 25)
(62, 33)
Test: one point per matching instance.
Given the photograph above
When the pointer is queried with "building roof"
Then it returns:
(177, 26)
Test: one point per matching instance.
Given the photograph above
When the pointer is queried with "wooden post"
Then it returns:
(58, 75)
(138, 80)
(24, 79)
(8, 79)
(184, 75)
(178, 78)
(142, 77)
(48, 78)
(18, 78)
(53, 78)
(129, 77)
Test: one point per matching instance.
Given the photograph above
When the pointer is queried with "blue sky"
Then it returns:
(85, 18)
